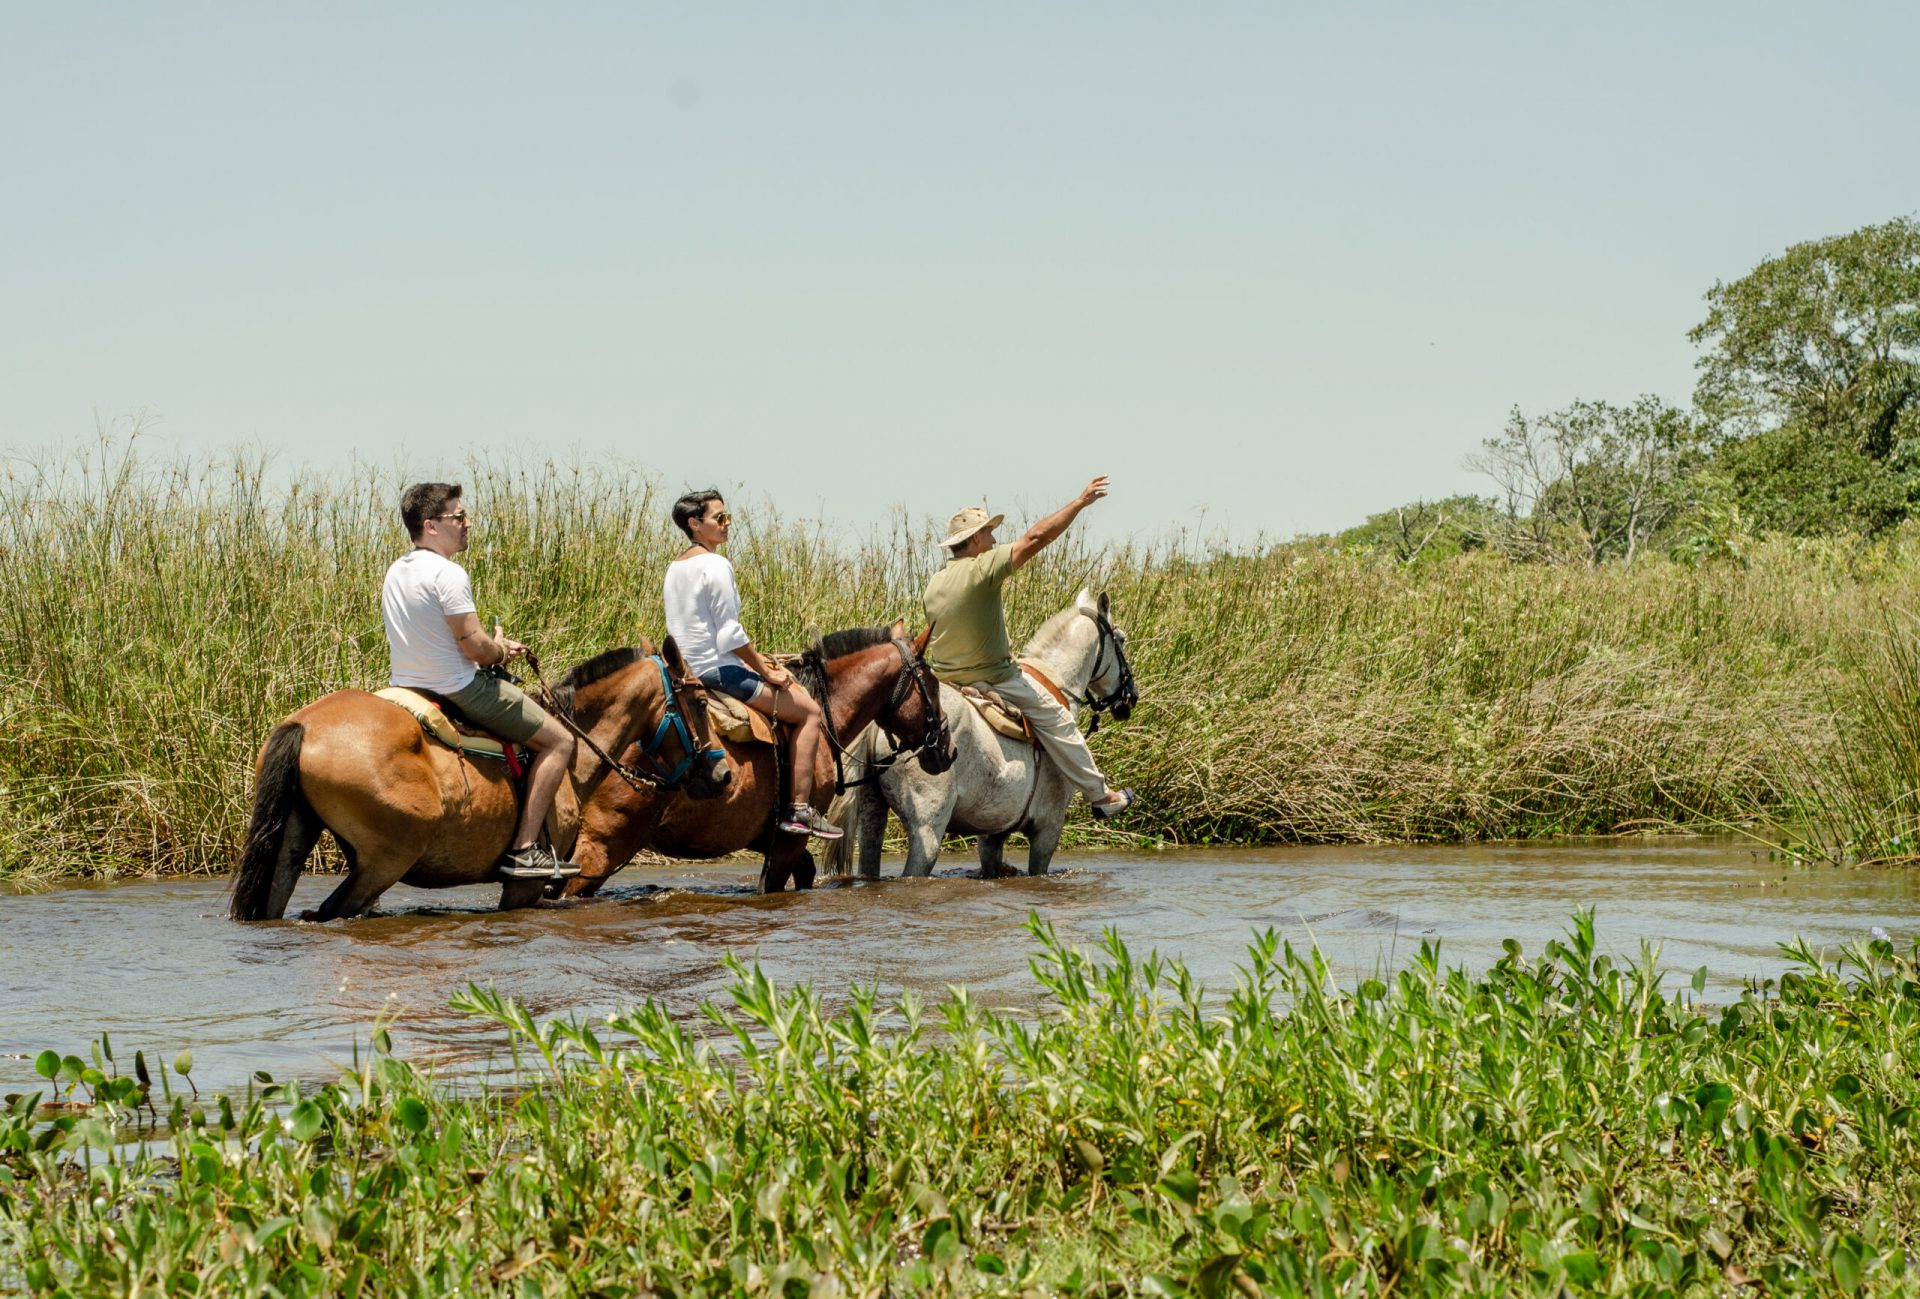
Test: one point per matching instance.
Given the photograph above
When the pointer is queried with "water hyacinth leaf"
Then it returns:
(1089, 1155)
(1373, 990)
(183, 1063)
(71, 1068)
(306, 1121)
(140, 1069)
(411, 1114)
(47, 1065)
(1700, 980)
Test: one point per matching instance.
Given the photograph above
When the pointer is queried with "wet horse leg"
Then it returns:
(993, 856)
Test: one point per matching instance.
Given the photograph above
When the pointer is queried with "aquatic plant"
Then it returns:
(1559, 1123)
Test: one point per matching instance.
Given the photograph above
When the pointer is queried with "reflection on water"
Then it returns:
(157, 965)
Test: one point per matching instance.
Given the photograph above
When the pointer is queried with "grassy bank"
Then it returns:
(1559, 1124)
(156, 620)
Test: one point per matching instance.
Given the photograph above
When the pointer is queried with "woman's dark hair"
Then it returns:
(690, 507)
(424, 501)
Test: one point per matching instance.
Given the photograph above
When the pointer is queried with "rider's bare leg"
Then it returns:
(792, 704)
(553, 745)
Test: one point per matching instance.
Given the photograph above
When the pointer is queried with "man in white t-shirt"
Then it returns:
(436, 643)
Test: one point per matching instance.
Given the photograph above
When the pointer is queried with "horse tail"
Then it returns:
(836, 855)
(281, 833)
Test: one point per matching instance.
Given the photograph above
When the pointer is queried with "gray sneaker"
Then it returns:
(534, 863)
(802, 819)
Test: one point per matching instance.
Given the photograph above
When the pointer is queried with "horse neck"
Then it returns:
(614, 709)
(859, 686)
(1068, 660)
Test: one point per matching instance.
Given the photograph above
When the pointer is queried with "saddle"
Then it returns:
(1006, 717)
(733, 720)
(443, 721)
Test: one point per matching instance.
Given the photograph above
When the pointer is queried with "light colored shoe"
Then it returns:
(1105, 811)
(534, 863)
(802, 819)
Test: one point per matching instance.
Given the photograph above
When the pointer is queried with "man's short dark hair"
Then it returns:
(692, 506)
(424, 501)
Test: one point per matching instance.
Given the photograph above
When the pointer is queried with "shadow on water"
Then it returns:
(157, 964)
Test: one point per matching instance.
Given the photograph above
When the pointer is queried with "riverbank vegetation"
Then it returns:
(1558, 1124)
(157, 620)
(1664, 617)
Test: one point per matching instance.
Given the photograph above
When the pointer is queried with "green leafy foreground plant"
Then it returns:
(1557, 1123)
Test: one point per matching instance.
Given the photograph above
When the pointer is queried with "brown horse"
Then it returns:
(406, 809)
(862, 676)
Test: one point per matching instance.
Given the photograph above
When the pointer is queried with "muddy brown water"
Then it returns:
(156, 964)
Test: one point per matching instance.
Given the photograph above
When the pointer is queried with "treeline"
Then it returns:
(1805, 422)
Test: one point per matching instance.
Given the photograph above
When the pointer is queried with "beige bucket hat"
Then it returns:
(969, 521)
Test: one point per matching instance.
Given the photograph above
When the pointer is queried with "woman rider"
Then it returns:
(703, 617)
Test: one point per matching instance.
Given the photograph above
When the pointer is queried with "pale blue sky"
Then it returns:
(1273, 268)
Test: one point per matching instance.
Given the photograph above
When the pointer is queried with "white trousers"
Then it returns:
(1057, 732)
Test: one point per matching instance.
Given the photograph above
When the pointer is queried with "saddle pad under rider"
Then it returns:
(437, 724)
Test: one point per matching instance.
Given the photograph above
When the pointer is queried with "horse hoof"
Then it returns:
(310, 916)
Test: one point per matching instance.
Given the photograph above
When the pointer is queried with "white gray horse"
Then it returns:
(997, 786)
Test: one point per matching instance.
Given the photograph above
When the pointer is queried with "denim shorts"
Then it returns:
(743, 684)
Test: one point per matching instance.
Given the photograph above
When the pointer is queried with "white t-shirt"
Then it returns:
(421, 592)
(703, 612)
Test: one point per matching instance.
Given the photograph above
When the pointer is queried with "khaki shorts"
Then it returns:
(500, 707)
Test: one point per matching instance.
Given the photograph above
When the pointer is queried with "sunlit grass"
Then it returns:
(1560, 1123)
(156, 620)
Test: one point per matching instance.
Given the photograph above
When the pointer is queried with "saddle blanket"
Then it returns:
(733, 720)
(437, 724)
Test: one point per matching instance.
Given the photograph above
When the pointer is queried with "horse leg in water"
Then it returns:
(371, 874)
(993, 856)
(868, 830)
(923, 848)
(1046, 821)
(787, 859)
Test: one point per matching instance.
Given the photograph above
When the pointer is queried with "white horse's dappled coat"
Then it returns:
(997, 786)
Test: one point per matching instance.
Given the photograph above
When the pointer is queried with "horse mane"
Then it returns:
(598, 668)
(1052, 632)
(812, 664)
(839, 644)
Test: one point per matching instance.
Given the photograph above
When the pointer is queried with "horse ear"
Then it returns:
(920, 643)
(1104, 604)
(1084, 602)
(898, 629)
(675, 662)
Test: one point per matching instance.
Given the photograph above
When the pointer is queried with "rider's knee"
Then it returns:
(552, 737)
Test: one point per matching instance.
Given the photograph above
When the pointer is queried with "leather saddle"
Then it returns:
(443, 721)
(1006, 717)
(734, 721)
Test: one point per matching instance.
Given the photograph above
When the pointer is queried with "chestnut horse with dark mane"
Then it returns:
(406, 809)
(862, 676)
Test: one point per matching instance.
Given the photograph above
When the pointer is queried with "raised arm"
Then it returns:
(1046, 531)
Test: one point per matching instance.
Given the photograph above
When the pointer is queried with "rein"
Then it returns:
(912, 673)
(671, 721)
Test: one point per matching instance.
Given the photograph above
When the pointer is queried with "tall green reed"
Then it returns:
(157, 619)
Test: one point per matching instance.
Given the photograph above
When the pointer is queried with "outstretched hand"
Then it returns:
(1095, 490)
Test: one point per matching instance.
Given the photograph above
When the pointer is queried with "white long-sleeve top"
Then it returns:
(703, 612)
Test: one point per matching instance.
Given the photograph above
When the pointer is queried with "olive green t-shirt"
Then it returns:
(969, 625)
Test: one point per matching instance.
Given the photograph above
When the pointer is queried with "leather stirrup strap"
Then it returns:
(1058, 694)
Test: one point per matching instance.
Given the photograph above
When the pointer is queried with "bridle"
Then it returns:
(1125, 694)
(935, 745)
(673, 722)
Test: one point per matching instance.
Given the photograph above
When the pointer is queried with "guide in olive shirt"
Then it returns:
(969, 624)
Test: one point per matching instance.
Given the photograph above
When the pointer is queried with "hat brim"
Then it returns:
(964, 533)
